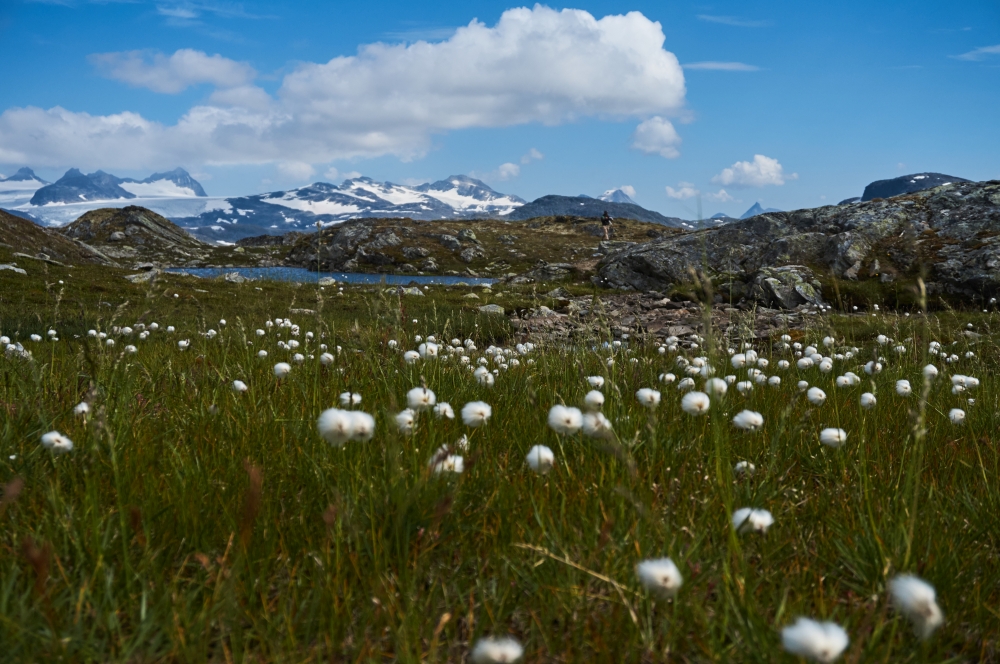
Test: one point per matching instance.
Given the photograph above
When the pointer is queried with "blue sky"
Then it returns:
(812, 101)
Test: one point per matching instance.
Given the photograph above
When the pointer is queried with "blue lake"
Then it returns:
(300, 274)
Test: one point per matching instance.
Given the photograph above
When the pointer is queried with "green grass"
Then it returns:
(194, 524)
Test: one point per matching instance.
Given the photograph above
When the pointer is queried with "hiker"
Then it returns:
(606, 223)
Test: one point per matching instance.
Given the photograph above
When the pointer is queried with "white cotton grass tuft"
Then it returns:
(596, 425)
(494, 650)
(868, 401)
(411, 356)
(744, 468)
(451, 463)
(420, 398)
(405, 421)
(916, 599)
(819, 641)
(833, 437)
(349, 399)
(484, 377)
(596, 382)
(476, 413)
(748, 420)
(262, 354)
(282, 369)
(660, 577)
(816, 396)
(445, 410)
(335, 426)
(716, 387)
(956, 415)
(362, 425)
(565, 420)
(930, 372)
(57, 442)
(326, 359)
(81, 409)
(903, 388)
(695, 403)
(239, 386)
(749, 520)
(541, 459)
(594, 400)
(648, 397)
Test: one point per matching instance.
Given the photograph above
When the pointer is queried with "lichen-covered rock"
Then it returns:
(951, 233)
(491, 309)
(414, 253)
(450, 242)
(466, 235)
(786, 287)
(470, 254)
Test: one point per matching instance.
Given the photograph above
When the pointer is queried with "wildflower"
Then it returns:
(593, 400)
(903, 388)
(873, 367)
(596, 425)
(57, 442)
(335, 426)
(916, 599)
(648, 397)
(565, 420)
(695, 403)
(450, 464)
(802, 385)
(956, 415)
(829, 341)
(405, 421)
(716, 387)
(667, 378)
(81, 409)
(597, 382)
(428, 350)
(541, 459)
(763, 363)
(868, 401)
(748, 420)
(350, 398)
(749, 520)
(686, 384)
(298, 358)
(411, 356)
(183, 344)
(744, 386)
(282, 369)
(131, 350)
(171, 329)
(491, 650)
(444, 409)
(262, 354)
(239, 386)
(774, 381)
(843, 381)
(826, 366)
(660, 577)
(833, 437)
(783, 364)
(36, 337)
(744, 468)
(326, 359)
(420, 398)
(484, 377)
(392, 343)
(882, 339)
(476, 413)
(816, 396)
(739, 360)
(462, 443)
(804, 363)
(109, 343)
(819, 641)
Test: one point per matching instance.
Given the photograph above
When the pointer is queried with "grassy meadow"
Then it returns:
(194, 523)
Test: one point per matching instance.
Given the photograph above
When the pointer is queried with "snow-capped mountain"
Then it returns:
(25, 176)
(457, 197)
(616, 196)
(74, 187)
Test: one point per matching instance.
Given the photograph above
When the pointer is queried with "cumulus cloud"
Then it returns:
(979, 53)
(296, 170)
(333, 174)
(174, 73)
(735, 21)
(535, 65)
(760, 172)
(532, 155)
(684, 191)
(722, 196)
(628, 190)
(657, 136)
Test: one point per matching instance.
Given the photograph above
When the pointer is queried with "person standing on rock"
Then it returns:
(606, 223)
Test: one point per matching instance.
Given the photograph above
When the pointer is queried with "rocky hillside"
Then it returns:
(951, 233)
(482, 246)
(907, 184)
(22, 240)
(137, 235)
(585, 206)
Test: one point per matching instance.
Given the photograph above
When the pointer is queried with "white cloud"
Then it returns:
(979, 53)
(508, 171)
(735, 21)
(628, 190)
(534, 66)
(532, 155)
(657, 136)
(171, 74)
(722, 196)
(684, 191)
(721, 66)
(760, 172)
(332, 174)
(296, 170)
